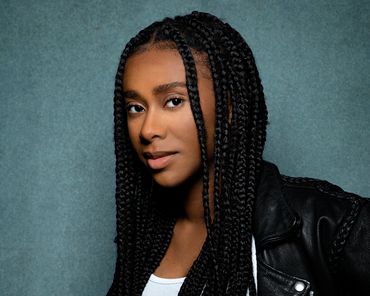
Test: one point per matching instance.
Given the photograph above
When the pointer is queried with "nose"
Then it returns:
(152, 127)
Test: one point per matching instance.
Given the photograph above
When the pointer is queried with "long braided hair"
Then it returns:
(144, 223)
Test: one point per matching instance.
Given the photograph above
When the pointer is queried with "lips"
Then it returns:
(159, 159)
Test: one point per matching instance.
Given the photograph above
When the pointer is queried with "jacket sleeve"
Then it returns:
(353, 248)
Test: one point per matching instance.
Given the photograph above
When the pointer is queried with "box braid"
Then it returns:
(145, 221)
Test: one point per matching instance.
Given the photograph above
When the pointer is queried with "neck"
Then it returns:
(185, 202)
(193, 210)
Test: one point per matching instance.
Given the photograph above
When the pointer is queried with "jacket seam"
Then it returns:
(322, 186)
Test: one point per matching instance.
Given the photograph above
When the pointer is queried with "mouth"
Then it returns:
(159, 160)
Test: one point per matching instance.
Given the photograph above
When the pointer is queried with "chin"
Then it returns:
(166, 181)
(169, 179)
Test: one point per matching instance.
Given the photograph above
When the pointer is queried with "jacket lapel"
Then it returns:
(273, 220)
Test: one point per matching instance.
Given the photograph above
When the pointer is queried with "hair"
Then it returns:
(144, 225)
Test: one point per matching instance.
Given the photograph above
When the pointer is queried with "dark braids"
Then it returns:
(144, 225)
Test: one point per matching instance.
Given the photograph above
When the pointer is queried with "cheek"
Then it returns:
(186, 132)
(207, 101)
(210, 122)
(133, 133)
(183, 126)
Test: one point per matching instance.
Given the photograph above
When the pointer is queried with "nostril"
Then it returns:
(143, 140)
(151, 128)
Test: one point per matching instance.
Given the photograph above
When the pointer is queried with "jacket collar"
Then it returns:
(274, 220)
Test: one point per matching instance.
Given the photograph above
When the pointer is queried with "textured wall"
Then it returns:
(57, 66)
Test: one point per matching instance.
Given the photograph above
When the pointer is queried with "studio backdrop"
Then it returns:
(57, 65)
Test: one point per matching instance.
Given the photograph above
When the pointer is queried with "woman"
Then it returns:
(194, 197)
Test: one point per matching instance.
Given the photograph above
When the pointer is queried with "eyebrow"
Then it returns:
(131, 94)
(164, 87)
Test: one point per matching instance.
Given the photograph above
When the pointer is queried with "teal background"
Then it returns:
(58, 60)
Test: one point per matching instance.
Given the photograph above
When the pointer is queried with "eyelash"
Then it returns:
(175, 98)
(129, 106)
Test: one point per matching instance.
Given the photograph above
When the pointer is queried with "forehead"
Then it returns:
(160, 63)
(153, 66)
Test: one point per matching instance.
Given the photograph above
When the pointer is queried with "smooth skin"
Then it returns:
(160, 119)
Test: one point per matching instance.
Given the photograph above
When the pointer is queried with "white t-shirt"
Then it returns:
(157, 286)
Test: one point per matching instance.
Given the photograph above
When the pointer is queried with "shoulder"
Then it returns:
(343, 220)
(290, 203)
(307, 195)
(304, 193)
(298, 221)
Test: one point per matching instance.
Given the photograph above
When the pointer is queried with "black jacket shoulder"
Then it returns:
(313, 230)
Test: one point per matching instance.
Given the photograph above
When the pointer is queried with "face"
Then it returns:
(159, 117)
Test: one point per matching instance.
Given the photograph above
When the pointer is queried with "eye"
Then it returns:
(133, 108)
(174, 102)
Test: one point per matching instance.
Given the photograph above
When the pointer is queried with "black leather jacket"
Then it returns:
(312, 238)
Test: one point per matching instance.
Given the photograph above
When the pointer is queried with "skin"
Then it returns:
(160, 119)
